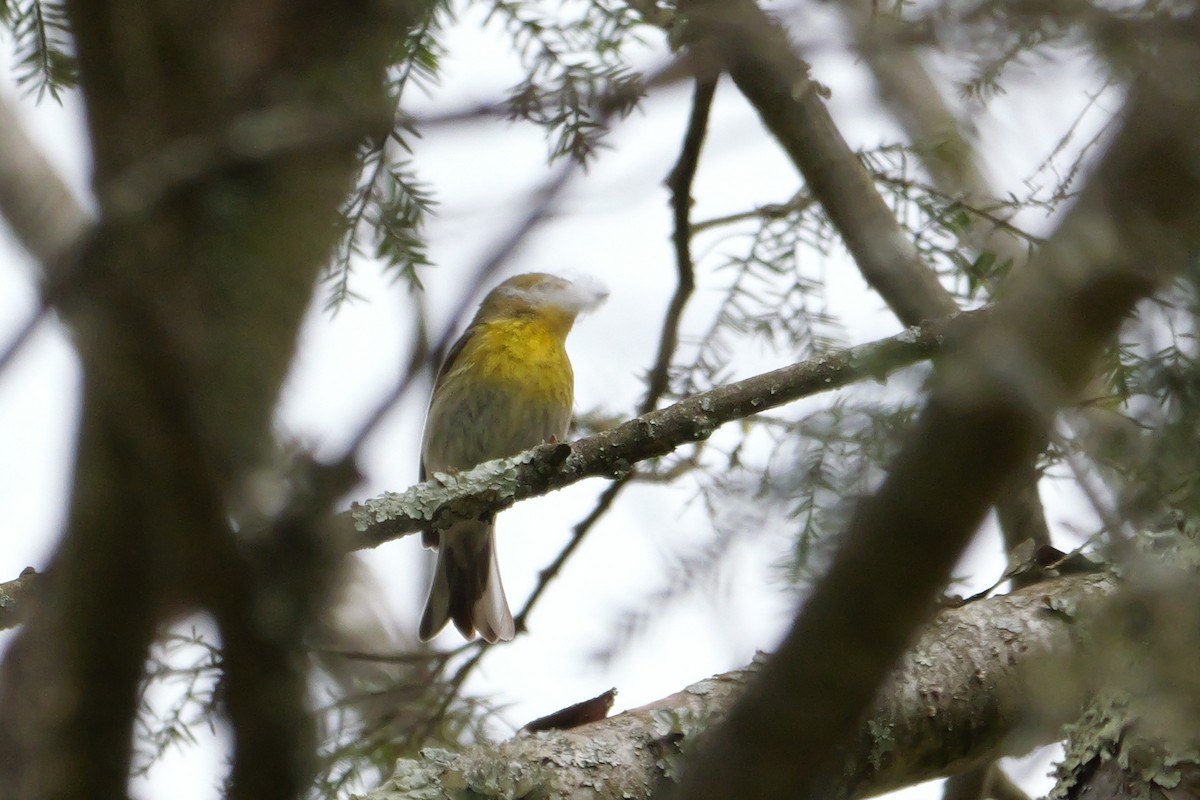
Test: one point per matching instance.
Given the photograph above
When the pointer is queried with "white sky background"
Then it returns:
(614, 223)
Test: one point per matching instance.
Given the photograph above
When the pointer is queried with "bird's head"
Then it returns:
(555, 300)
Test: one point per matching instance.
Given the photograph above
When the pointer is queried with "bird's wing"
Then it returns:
(447, 364)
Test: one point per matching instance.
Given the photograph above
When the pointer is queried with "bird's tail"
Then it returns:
(466, 585)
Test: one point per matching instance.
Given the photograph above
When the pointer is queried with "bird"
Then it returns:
(506, 385)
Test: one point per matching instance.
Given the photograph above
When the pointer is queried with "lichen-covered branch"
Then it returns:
(1138, 736)
(14, 598)
(959, 698)
(498, 484)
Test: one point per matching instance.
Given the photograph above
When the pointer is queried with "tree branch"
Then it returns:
(907, 90)
(1137, 736)
(43, 214)
(496, 485)
(757, 55)
(959, 698)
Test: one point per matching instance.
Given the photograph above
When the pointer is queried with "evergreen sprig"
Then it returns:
(44, 52)
(577, 68)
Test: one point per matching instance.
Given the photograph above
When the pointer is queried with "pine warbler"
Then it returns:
(506, 386)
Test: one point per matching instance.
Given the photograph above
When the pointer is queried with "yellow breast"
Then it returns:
(510, 388)
(524, 352)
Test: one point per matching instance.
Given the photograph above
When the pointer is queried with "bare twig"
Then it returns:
(798, 203)
(680, 183)
(582, 528)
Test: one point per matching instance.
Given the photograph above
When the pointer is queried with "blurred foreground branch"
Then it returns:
(911, 95)
(185, 315)
(968, 673)
(37, 204)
